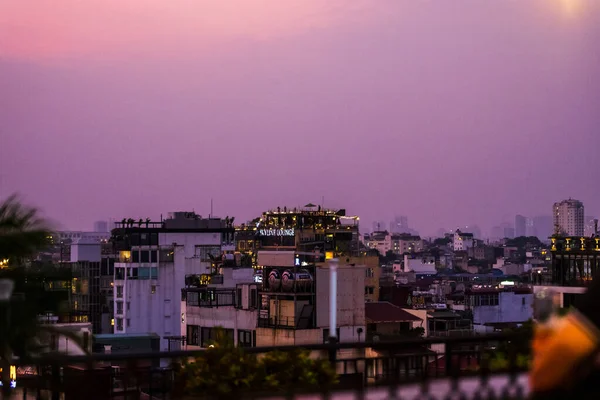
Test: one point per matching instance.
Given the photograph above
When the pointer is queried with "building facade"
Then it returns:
(568, 218)
(154, 261)
(230, 306)
(498, 308)
(462, 241)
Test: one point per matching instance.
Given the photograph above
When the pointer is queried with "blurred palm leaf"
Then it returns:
(22, 231)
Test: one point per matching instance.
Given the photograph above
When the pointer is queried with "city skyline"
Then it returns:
(536, 221)
(451, 114)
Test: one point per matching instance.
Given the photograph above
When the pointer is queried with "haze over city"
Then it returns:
(450, 112)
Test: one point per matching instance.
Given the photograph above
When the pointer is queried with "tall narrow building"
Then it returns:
(154, 262)
(568, 218)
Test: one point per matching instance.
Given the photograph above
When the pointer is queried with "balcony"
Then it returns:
(274, 322)
(465, 368)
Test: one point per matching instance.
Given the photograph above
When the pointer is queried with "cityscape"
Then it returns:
(299, 199)
(184, 282)
(271, 272)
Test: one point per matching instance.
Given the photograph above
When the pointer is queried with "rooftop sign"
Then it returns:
(276, 232)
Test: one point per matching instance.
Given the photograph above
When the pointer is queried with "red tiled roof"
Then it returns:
(384, 311)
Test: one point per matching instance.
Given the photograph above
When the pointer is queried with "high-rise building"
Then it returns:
(530, 227)
(399, 224)
(378, 226)
(568, 218)
(520, 226)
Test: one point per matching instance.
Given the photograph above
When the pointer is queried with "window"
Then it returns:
(192, 298)
(145, 256)
(154, 256)
(143, 273)
(192, 336)
(128, 322)
(119, 292)
(209, 335)
(253, 298)
(119, 307)
(238, 297)
(370, 273)
(135, 256)
(245, 338)
(119, 324)
(484, 300)
(153, 289)
(119, 274)
(128, 306)
(369, 290)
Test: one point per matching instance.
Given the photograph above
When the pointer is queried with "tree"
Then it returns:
(23, 233)
(224, 371)
(441, 242)
(523, 242)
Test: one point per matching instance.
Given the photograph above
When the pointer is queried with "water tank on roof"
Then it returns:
(301, 280)
(274, 280)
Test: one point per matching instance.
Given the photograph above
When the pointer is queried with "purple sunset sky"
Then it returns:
(450, 112)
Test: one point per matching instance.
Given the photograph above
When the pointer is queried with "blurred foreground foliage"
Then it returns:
(225, 371)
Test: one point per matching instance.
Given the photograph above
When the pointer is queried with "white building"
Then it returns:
(568, 217)
(154, 260)
(382, 241)
(462, 241)
(419, 265)
(499, 308)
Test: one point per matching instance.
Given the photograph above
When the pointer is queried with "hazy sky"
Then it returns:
(448, 111)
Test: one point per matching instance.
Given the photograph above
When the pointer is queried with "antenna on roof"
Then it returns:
(211, 208)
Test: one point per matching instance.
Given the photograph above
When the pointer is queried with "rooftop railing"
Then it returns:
(482, 367)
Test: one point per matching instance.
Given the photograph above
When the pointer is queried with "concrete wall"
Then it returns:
(275, 258)
(350, 296)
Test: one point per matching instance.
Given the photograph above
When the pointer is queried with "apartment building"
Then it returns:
(154, 259)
